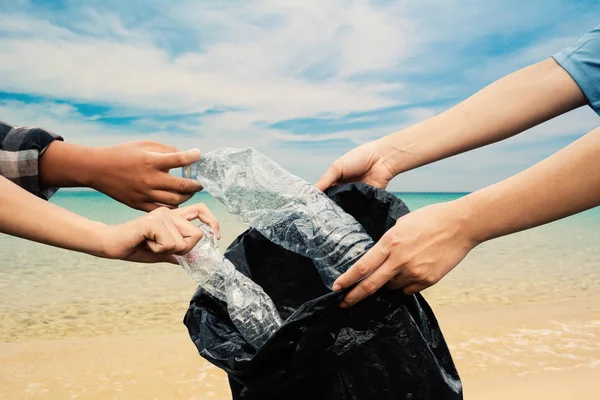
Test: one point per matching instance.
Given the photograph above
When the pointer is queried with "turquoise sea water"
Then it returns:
(48, 292)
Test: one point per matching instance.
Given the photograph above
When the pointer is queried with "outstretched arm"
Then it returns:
(154, 237)
(425, 245)
(505, 108)
(134, 173)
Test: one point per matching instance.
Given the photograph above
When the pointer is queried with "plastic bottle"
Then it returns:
(282, 207)
(251, 310)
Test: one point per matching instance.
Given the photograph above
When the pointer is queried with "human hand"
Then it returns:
(137, 174)
(157, 236)
(416, 253)
(366, 163)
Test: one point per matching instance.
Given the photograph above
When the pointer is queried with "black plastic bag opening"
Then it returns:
(388, 346)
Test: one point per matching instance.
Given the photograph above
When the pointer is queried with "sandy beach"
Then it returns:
(546, 351)
(521, 316)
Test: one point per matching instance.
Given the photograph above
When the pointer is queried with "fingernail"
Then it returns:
(336, 287)
(343, 304)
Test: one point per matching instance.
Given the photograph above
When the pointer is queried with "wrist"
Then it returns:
(101, 235)
(90, 167)
(400, 151)
(475, 224)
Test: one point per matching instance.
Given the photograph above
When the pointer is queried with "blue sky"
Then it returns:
(302, 81)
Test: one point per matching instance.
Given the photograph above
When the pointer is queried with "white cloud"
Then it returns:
(256, 69)
(269, 61)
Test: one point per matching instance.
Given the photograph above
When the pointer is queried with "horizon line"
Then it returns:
(88, 190)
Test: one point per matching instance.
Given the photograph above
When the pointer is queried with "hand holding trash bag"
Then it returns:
(426, 245)
(417, 252)
(369, 163)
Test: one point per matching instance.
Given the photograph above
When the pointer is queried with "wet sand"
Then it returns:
(549, 351)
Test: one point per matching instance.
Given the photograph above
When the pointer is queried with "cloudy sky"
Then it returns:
(303, 81)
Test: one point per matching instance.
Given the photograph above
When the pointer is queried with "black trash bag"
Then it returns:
(388, 346)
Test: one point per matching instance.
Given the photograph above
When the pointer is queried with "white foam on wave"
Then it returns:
(523, 351)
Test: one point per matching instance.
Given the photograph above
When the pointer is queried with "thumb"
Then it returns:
(328, 179)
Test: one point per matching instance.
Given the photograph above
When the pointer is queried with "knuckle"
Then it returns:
(395, 241)
(402, 260)
(145, 181)
(183, 185)
(414, 273)
(362, 269)
(180, 158)
(148, 160)
(149, 142)
(160, 211)
(388, 273)
(383, 250)
(181, 247)
(368, 287)
(174, 199)
(429, 280)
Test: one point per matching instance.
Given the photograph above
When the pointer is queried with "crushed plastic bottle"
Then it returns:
(282, 207)
(251, 310)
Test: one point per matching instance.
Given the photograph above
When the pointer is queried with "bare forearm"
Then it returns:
(505, 108)
(66, 165)
(27, 216)
(564, 184)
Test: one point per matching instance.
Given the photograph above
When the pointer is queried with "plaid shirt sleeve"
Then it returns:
(20, 149)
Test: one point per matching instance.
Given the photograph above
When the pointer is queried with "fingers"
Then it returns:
(170, 193)
(372, 260)
(169, 198)
(169, 233)
(190, 233)
(174, 184)
(159, 237)
(147, 256)
(332, 176)
(166, 161)
(180, 245)
(201, 212)
(370, 284)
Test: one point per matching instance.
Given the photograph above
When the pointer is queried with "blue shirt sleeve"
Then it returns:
(582, 62)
